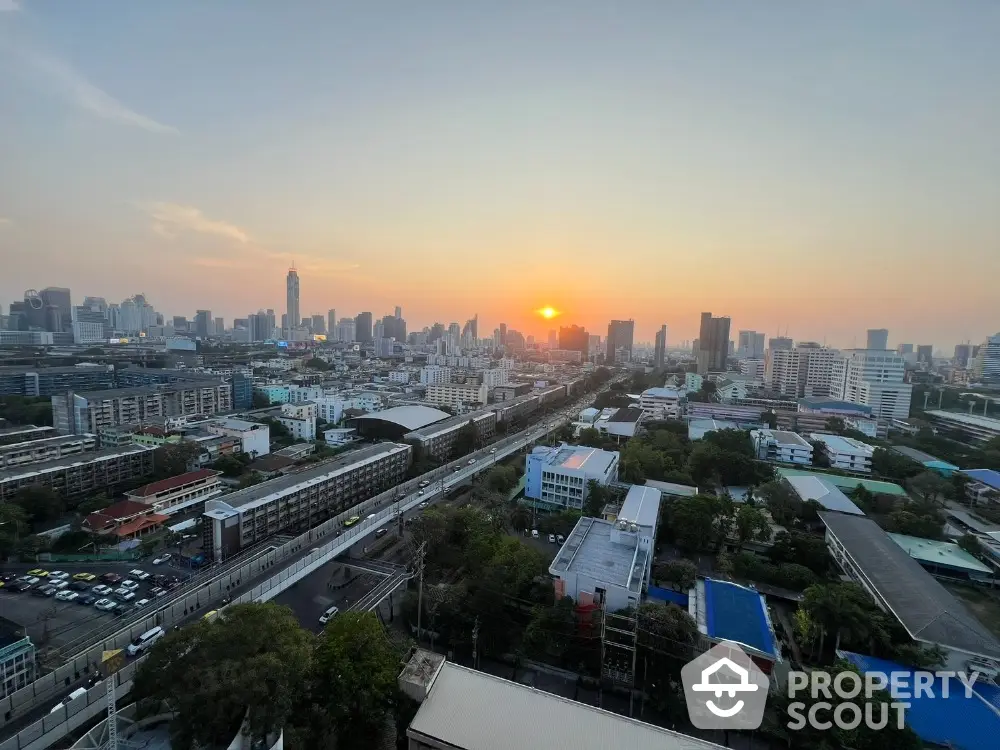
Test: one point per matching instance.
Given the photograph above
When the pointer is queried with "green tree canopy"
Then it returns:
(40, 503)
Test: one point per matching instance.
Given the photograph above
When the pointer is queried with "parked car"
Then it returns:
(472, 461)
(105, 605)
(158, 591)
(59, 585)
(424, 483)
(422, 505)
(8, 577)
(139, 575)
(30, 580)
(79, 586)
(129, 584)
(560, 539)
(420, 492)
(145, 640)
(552, 538)
(101, 590)
(165, 557)
(86, 600)
(19, 587)
(67, 596)
(44, 591)
(58, 575)
(325, 617)
(38, 572)
(124, 594)
(84, 577)
(112, 578)
(141, 603)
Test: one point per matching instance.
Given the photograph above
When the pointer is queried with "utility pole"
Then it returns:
(475, 644)
(421, 554)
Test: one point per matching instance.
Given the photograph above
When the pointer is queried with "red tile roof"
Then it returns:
(173, 483)
(120, 511)
(141, 524)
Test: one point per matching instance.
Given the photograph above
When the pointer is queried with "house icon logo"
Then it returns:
(725, 689)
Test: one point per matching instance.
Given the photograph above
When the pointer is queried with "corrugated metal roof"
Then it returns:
(641, 506)
(476, 711)
(408, 417)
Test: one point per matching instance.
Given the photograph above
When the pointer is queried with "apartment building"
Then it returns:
(301, 500)
(872, 377)
(254, 437)
(845, 453)
(662, 403)
(25, 434)
(558, 476)
(89, 412)
(172, 495)
(806, 370)
(78, 475)
(510, 391)
(46, 449)
(48, 381)
(439, 439)
(434, 375)
(300, 420)
(752, 368)
(17, 658)
(783, 447)
(494, 377)
(456, 394)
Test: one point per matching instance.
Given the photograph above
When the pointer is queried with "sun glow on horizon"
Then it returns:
(548, 312)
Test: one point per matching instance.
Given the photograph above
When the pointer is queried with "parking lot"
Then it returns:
(52, 623)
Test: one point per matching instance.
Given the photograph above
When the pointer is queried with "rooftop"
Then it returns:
(737, 613)
(847, 484)
(260, 493)
(927, 610)
(986, 476)
(663, 393)
(145, 390)
(839, 444)
(240, 425)
(577, 457)
(408, 417)
(641, 506)
(971, 420)
(589, 551)
(470, 710)
(824, 493)
(913, 454)
(46, 441)
(172, 483)
(626, 414)
(784, 437)
(450, 423)
(672, 488)
(81, 459)
(933, 552)
(816, 402)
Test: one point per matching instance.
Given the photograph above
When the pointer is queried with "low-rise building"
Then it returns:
(300, 420)
(127, 519)
(13, 455)
(944, 559)
(727, 611)
(17, 658)
(49, 381)
(983, 486)
(971, 426)
(845, 453)
(73, 476)
(662, 403)
(457, 394)
(25, 434)
(510, 390)
(439, 439)
(698, 428)
(175, 494)
(434, 375)
(558, 476)
(512, 409)
(340, 436)
(620, 423)
(817, 489)
(255, 437)
(783, 447)
(301, 500)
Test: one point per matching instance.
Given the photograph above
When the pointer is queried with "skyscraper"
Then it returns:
(60, 299)
(713, 344)
(553, 340)
(220, 326)
(331, 324)
(660, 347)
(574, 338)
(363, 328)
(203, 323)
(292, 298)
(318, 324)
(878, 338)
(925, 353)
(619, 345)
(399, 311)
(962, 353)
(779, 342)
(750, 345)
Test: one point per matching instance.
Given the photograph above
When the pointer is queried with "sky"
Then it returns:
(820, 168)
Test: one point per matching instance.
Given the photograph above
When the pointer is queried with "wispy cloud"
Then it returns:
(171, 219)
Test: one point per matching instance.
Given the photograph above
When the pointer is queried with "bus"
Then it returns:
(351, 521)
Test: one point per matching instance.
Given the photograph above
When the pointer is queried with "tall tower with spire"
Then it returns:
(292, 298)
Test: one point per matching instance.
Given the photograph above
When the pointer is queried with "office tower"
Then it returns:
(872, 377)
(363, 328)
(660, 347)
(595, 343)
(574, 338)
(503, 334)
(378, 330)
(904, 349)
(89, 324)
(346, 330)
(962, 354)
(202, 323)
(261, 325)
(497, 341)
(292, 298)
(984, 364)
(925, 353)
(750, 345)
(59, 300)
(331, 324)
(619, 348)
(394, 327)
(779, 342)
(133, 316)
(454, 334)
(806, 370)
(713, 344)
(553, 340)
(180, 324)
(878, 338)
(399, 311)
(220, 326)
(470, 333)
(318, 324)
(437, 332)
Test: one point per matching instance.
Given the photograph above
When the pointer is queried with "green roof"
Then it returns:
(847, 484)
(938, 553)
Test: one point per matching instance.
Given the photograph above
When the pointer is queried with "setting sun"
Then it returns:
(548, 312)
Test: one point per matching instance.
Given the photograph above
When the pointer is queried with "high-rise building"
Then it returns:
(437, 332)
(872, 377)
(59, 300)
(318, 324)
(750, 345)
(292, 298)
(470, 333)
(713, 344)
(346, 330)
(619, 343)
(503, 334)
(574, 338)
(331, 324)
(203, 323)
(553, 340)
(399, 311)
(986, 364)
(806, 370)
(904, 349)
(962, 354)
(925, 353)
(779, 342)
(261, 325)
(90, 326)
(180, 324)
(660, 347)
(220, 326)
(363, 328)
(394, 327)
(134, 316)
(878, 338)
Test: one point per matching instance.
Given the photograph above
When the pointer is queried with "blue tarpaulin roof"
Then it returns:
(960, 722)
(986, 476)
(737, 613)
(667, 595)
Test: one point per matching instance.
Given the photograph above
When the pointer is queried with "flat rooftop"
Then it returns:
(589, 551)
(575, 457)
(449, 424)
(259, 493)
(988, 477)
(846, 484)
(824, 493)
(67, 462)
(913, 454)
(971, 420)
(933, 552)
(470, 710)
(56, 440)
(839, 444)
(241, 425)
(735, 613)
(641, 506)
(783, 437)
(626, 414)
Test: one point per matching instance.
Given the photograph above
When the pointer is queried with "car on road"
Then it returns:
(457, 468)
(534, 533)
(472, 461)
(39, 572)
(111, 578)
(325, 617)
(420, 492)
(560, 539)
(351, 521)
(129, 584)
(30, 580)
(381, 532)
(493, 450)
(141, 603)
(424, 483)
(158, 591)
(67, 596)
(101, 590)
(105, 605)
(58, 575)
(18, 587)
(139, 575)
(86, 600)
(84, 577)
(124, 594)
(78, 693)
(165, 557)
(422, 505)
(552, 538)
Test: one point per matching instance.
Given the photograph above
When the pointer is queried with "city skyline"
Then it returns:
(783, 194)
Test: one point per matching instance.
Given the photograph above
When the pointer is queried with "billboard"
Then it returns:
(319, 337)
(283, 344)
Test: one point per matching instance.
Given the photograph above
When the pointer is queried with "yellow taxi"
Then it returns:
(84, 577)
(209, 616)
(39, 573)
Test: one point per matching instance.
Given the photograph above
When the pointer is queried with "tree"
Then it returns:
(678, 574)
(13, 523)
(466, 441)
(551, 630)
(928, 526)
(93, 504)
(251, 661)
(229, 466)
(249, 480)
(931, 487)
(317, 364)
(835, 424)
(693, 521)
(501, 478)
(259, 400)
(843, 610)
(25, 410)
(170, 460)
(971, 544)
(40, 503)
(590, 437)
(820, 458)
(597, 497)
(751, 525)
(798, 547)
(887, 463)
(783, 505)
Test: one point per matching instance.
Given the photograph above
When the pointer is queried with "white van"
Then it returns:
(145, 640)
(325, 617)
(534, 533)
(69, 699)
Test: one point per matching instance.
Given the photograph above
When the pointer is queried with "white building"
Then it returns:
(330, 408)
(872, 377)
(781, 446)
(457, 394)
(300, 420)
(495, 377)
(559, 475)
(338, 437)
(435, 375)
(806, 370)
(846, 453)
(693, 381)
(399, 376)
(608, 562)
(255, 437)
(752, 368)
(662, 403)
(299, 394)
(986, 365)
